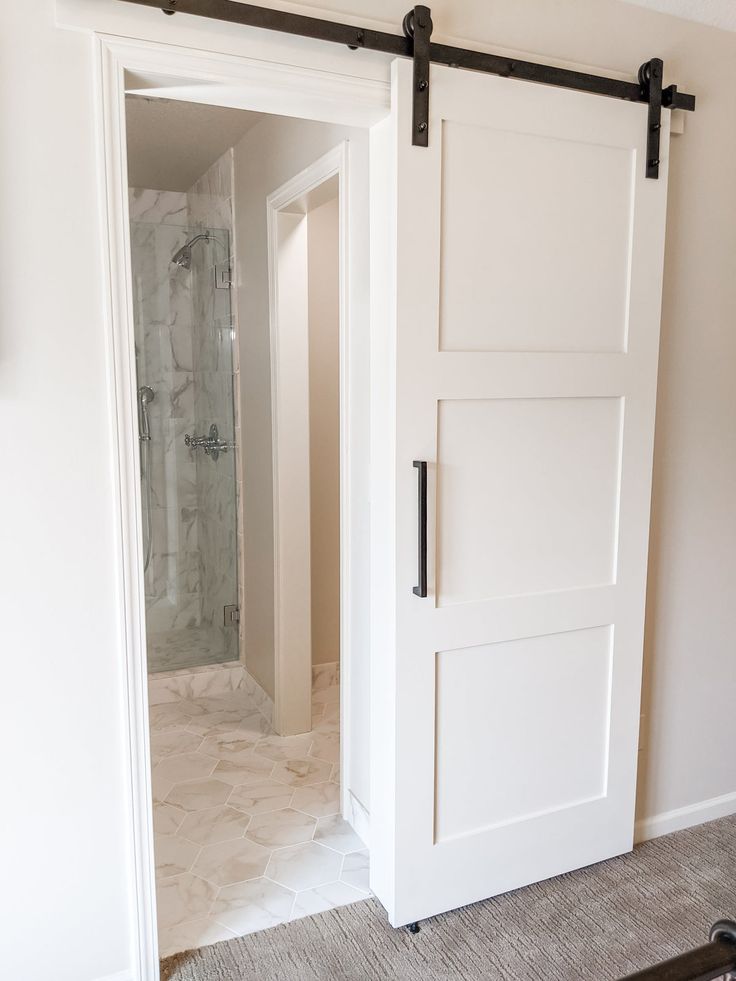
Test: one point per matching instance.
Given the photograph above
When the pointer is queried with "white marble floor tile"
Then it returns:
(263, 796)
(302, 773)
(329, 896)
(247, 823)
(253, 905)
(276, 829)
(183, 897)
(336, 833)
(223, 721)
(187, 766)
(326, 747)
(331, 713)
(304, 866)
(355, 871)
(231, 861)
(195, 933)
(248, 770)
(214, 824)
(279, 748)
(197, 795)
(318, 800)
(167, 819)
(234, 746)
(173, 855)
(325, 676)
(172, 715)
(171, 742)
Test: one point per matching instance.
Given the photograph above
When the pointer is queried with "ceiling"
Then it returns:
(172, 143)
(717, 13)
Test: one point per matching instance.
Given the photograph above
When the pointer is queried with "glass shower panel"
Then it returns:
(184, 357)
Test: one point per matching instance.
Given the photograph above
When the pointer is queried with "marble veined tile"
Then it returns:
(284, 747)
(319, 800)
(322, 898)
(231, 861)
(173, 855)
(183, 897)
(172, 715)
(253, 905)
(275, 829)
(171, 742)
(336, 833)
(167, 819)
(326, 696)
(302, 773)
(194, 933)
(214, 825)
(326, 746)
(226, 719)
(246, 770)
(234, 746)
(355, 871)
(158, 206)
(263, 796)
(304, 866)
(325, 675)
(198, 795)
(185, 766)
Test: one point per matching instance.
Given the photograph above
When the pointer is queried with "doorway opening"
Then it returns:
(238, 232)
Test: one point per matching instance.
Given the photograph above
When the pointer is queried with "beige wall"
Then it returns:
(690, 669)
(64, 675)
(324, 428)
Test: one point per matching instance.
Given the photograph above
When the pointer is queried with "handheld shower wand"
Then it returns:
(146, 395)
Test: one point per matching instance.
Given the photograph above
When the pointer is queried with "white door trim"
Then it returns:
(217, 79)
(293, 662)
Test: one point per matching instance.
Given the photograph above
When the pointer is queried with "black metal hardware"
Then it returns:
(413, 927)
(712, 960)
(236, 12)
(418, 26)
(421, 589)
(650, 79)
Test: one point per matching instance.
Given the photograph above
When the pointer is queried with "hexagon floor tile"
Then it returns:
(247, 826)
(304, 866)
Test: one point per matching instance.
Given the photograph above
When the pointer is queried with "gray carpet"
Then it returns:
(595, 924)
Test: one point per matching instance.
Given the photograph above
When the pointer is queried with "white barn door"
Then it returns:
(518, 268)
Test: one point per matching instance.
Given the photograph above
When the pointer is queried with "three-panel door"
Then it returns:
(517, 284)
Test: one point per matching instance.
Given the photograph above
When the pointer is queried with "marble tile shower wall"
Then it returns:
(213, 327)
(184, 348)
(163, 334)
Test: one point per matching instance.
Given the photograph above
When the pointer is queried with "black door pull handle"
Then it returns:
(421, 589)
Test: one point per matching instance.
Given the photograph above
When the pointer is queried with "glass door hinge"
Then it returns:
(232, 615)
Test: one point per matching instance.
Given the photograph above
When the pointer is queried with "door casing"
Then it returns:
(220, 79)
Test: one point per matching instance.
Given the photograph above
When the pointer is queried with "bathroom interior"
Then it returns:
(248, 824)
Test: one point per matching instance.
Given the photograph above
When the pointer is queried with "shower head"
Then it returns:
(183, 256)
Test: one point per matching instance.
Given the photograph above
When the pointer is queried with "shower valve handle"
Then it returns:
(212, 444)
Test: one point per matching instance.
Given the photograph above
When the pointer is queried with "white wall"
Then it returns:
(64, 812)
(275, 150)
(323, 261)
(66, 865)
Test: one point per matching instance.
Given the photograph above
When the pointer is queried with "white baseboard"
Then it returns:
(359, 818)
(685, 817)
(118, 976)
